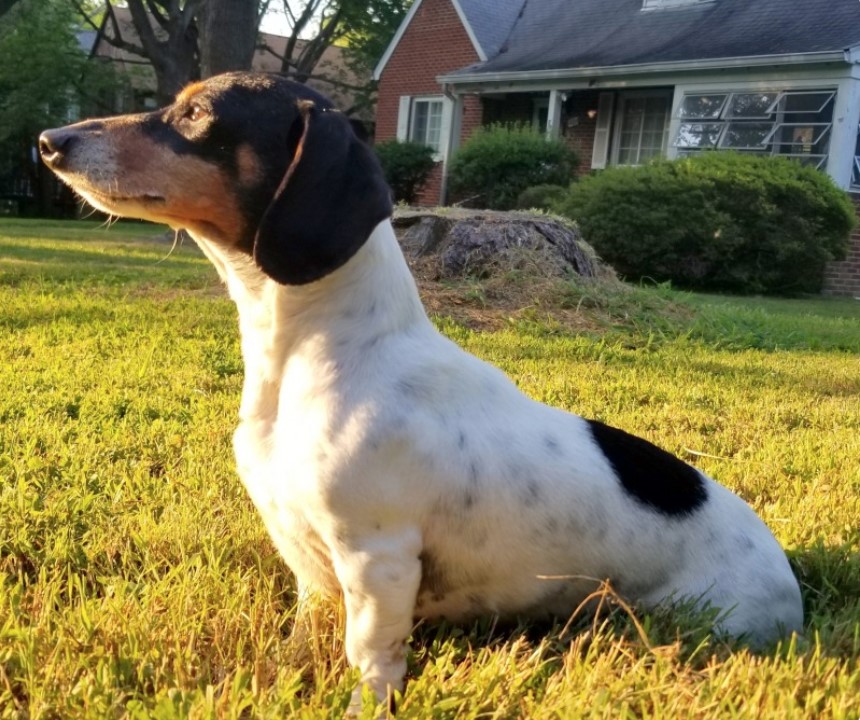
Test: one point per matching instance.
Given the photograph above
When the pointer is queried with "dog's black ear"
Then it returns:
(360, 130)
(330, 199)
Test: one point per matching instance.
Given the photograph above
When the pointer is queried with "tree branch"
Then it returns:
(117, 39)
(155, 10)
(151, 45)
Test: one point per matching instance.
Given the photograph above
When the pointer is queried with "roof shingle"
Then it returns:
(560, 34)
(491, 21)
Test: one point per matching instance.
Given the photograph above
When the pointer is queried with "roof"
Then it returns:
(562, 34)
(487, 23)
(490, 21)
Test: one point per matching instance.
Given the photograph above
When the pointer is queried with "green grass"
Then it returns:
(137, 581)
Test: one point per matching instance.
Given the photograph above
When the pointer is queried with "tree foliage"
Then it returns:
(44, 81)
(165, 32)
(362, 27)
(187, 40)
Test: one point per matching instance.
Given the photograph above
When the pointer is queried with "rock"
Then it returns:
(483, 243)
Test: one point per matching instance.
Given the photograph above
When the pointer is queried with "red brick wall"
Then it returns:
(843, 278)
(435, 42)
(578, 129)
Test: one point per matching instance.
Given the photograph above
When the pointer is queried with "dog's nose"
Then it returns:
(54, 145)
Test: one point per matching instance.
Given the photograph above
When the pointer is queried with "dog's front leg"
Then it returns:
(380, 576)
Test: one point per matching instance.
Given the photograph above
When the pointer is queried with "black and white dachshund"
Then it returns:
(391, 467)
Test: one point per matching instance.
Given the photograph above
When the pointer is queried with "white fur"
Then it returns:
(369, 443)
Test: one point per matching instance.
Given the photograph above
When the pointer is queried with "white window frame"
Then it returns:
(406, 121)
(620, 100)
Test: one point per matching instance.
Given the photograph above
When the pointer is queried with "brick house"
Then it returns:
(623, 81)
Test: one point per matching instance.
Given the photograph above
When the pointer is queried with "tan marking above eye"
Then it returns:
(189, 91)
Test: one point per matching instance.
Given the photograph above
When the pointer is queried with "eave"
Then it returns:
(461, 81)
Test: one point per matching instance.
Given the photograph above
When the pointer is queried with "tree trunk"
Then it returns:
(177, 66)
(228, 35)
(173, 52)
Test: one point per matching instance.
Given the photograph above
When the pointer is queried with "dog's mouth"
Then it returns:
(146, 198)
(121, 203)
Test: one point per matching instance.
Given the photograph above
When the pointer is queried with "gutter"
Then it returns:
(850, 55)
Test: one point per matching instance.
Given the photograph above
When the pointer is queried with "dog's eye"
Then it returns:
(195, 113)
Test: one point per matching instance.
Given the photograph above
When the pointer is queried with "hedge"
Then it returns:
(499, 162)
(716, 221)
(406, 166)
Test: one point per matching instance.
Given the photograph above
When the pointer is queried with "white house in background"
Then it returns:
(623, 81)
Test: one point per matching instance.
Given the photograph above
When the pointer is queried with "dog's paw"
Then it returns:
(372, 703)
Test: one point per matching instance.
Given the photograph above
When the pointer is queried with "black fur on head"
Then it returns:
(331, 197)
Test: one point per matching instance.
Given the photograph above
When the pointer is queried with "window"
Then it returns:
(792, 123)
(640, 127)
(425, 123)
(426, 120)
(540, 114)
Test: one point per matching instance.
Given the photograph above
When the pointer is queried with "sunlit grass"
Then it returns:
(137, 581)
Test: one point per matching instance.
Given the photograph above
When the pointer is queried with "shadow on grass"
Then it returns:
(830, 584)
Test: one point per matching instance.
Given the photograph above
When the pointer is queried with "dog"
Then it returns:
(390, 467)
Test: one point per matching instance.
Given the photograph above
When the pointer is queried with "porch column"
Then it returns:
(843, 133)
(451, 140)
(553, 116)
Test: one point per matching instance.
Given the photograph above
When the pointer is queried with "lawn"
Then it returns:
(137, 581)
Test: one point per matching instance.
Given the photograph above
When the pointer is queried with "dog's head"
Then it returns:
(252, 161)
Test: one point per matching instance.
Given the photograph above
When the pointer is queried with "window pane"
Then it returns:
(426, 127)
(750, 105)
(434, 124)
(419, 121)
(698, 135)
(702, 107)
(801, 101)
(855, 175)
(807, 136)
(643, 124)
(746, 135)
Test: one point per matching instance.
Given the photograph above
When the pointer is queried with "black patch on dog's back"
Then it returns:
(651, 475)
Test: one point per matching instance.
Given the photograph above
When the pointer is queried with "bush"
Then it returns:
(716, 221)
(406, 165)
(542, 197)
(498, 162)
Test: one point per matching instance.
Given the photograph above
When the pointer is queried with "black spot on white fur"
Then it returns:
(651, 475)
(552, 445)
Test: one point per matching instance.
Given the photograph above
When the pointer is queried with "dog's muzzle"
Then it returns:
(54, 146)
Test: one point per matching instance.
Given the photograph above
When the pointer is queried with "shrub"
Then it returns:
(498, 162)
(542, 197)
(716, 221)
(406, 165)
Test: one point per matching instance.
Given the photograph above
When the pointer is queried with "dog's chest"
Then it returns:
(280, 499)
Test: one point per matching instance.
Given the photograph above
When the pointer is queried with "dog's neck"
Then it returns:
(369, 297)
